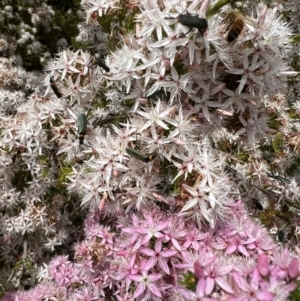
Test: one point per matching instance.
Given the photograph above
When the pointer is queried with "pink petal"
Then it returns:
(224, 285)
(206, 113)
(150, 263)
(230, 249)
(184, 292)
(263, 264)
(147, 252)
(200, 289)
(153, 288)
(158, 245)
(179, 142)
(174, 74)
(243, 250)
(164, 266)
(198, 269)
(209, 286)
(154, 277)
(137, 278)
(159, 235)
(265, 296)
(163, 225)
(139, 290)
(293, 269)
(176, 244)
(168, 253)
(203, 8)
(225, 269)
(182, 266)
(136, 246)
(240, 281)
(101, 204)
(146, 238)
(237, 71)
(255, 279)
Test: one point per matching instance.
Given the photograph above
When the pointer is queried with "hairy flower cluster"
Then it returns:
(155, 255)
(158, 141)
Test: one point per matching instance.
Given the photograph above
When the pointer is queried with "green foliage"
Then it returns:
(267, 217)
(278, 143)
(295, 295)
(268, 153)
(31, 60)
(24, 270)
(295, 38)
(65, 5)
(63, 25)
(179, 66)
(296, 62)
(189, 281)
(67, 24)
(293, 114)
(243, 156)
(215, 8)
(58, 188)
(3, 288)
(99, 100)
(294, 167)
(65, 171)
(121, 20)
(227, 147)
(20, 178)
(273, 122)
(78, 214)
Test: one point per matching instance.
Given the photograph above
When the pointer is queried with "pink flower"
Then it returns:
(152, 228)
(62, 270)
(158, 256)
(250, 290)
(146, 284)
(237, 244)
(215, 273)
(193, 238)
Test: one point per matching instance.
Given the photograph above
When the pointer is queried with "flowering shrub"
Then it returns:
(155, 255)
(182, 124)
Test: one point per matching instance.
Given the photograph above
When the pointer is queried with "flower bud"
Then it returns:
(263, 265)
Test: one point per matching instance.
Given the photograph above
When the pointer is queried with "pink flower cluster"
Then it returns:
(160, 256)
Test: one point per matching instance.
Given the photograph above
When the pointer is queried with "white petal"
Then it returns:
(190, 204)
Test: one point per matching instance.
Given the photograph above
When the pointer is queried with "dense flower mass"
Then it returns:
(155, 255)
(158, 157)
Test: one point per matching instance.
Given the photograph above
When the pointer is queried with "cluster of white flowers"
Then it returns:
(194, 76)
(187, 104)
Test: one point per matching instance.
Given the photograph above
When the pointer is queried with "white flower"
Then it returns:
(177, 84)
(254, 127)
(43, 273)
(240, 100)
(66, 63)
(93, 188)
(85, 60)
(156, 142)
(99, 7)
(152, 20)
(155, 116)
(248, 72)
(139, 195)
(183, 128)
(76, 91)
